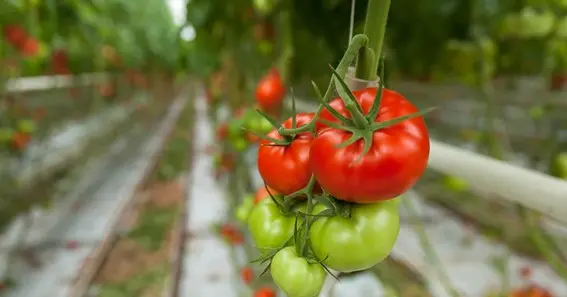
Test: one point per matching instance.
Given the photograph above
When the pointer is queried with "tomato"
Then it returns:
(26, 126)
(240, 144)
(29, 48)
(396, 160)
(231, 234)
(6, 134)
(247, 274)
(286, 168)
(244, 209)
(295, 276)
(264, 7)
(455, 184)
(15, 34)
(270, 91)
(262, 194)
(20, 141)
(268, 227)
(559, 165)
(358, 242)
(265, 292)
(222, 131)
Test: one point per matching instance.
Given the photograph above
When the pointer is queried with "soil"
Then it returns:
(148, 244)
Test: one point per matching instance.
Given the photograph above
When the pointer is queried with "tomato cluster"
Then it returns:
(333, 179)
(241, 130)
(17, 36)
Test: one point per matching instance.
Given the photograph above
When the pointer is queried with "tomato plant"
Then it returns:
(295, 275)
(268, 226)
(270, 91)
(382, 165)
(284, 165)
(371, 231)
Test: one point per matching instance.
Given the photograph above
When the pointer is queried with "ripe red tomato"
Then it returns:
(20, 141)
(14, 34)
(265, 292)
(29, 48)
(231, 234)
(286, 168)
(397, 158)
(222, 131)
(247, 274)
(270, 91)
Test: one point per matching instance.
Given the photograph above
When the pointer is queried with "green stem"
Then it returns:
(284, 63)
(355, 45)
(374, 29)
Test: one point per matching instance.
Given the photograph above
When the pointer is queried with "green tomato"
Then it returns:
(243, 210)
(264, 7)
(235, 128)
(268, 227)
(253, 124)
(295, 275)
(240, 144)
(26, 126)
(6, 134)
(264, 125)
(455, 184)
(559, 166)
(537, 112)
(359, 242)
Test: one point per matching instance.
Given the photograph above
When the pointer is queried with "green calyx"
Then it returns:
(359, 125)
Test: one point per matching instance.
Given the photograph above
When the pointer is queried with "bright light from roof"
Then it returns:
(188, 33)
(178, 11)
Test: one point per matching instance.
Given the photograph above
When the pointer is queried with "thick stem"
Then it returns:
(374, 29)
(286, 56)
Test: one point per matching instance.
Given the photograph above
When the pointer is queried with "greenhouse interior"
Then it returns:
(204, 148)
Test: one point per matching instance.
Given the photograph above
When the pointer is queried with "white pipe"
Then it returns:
(529, 188)
(37, 83)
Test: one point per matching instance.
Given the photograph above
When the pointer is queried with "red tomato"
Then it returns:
(265, 292)
(247, 274)
(262, 194)
(29, 47)
(222, 131)
(20, 141)
(286, 168)
(270, 91)
(397, 158)
(232, 234)
(14, 34)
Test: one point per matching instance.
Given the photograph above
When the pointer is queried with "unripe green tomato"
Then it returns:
(26, 126)
(243, 210)
(253, 123)
(455, 184)
(536, 24)
(559, 165)
(537, 112)
(264, 7)
(6, 134)
(264, 125)
(371, 231)
(235, 128)
(295, 275)
(268, 227)
(239, 144)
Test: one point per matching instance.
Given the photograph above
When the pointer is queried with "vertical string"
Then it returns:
(351, 29)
